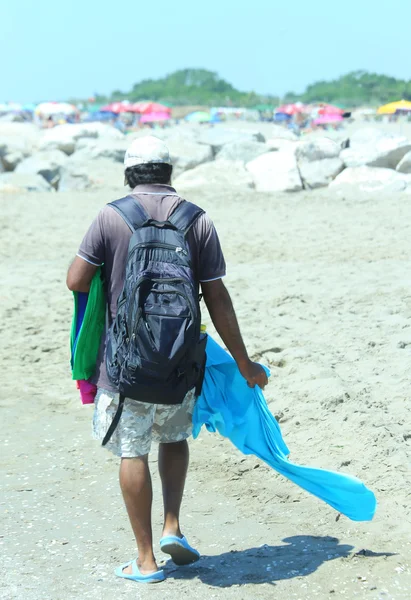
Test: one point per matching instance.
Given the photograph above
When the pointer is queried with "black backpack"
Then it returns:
(154, 351)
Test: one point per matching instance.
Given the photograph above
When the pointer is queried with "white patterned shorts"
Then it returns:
(141, 423)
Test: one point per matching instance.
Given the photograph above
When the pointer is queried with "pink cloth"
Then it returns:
(88, 391)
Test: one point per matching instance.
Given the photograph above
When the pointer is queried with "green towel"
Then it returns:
(87, 328)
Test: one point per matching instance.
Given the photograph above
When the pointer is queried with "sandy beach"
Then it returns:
(322, 286)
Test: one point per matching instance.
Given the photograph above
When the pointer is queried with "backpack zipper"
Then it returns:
(177, 249)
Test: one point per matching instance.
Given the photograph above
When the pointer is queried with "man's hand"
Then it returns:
(254, 374)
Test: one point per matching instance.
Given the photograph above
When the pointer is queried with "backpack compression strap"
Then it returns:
(115, 420)
(185, 215)
(131, 211)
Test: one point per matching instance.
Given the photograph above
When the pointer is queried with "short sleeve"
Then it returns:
(211, 263)
(92, 248)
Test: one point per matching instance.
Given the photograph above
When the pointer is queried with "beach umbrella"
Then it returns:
(199, 116)
(116, 107)
(327, 119)
(55, 108)
(119, 107)
(291, 109)
(329, 109)
(393, 107)
(150, 107)
(155, 117)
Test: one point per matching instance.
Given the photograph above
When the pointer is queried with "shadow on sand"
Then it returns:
(300, 555)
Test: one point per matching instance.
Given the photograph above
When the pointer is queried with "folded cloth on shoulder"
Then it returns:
(241, 414)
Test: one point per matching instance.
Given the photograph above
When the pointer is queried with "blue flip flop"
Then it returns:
(155, 577)
(179, 549)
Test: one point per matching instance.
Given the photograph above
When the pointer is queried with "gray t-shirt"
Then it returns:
(106, 243)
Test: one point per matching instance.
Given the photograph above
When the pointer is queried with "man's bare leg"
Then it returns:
(172, 465)
(135, 482)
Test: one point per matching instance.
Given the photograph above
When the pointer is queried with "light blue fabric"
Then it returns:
(229, 406)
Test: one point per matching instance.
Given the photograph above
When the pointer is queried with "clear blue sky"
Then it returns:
(51, 50)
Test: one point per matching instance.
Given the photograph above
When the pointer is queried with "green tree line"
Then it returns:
(355, 89)
(202, 87)
(190, 87)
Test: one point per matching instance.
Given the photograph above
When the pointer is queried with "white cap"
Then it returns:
(148, 149)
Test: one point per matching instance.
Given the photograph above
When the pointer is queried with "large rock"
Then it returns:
(17, 141)
(65, 137)
(404, 165)
(374, 148)
(367, 136)
(317, 149)
(319, 162)
(282, 133)
(20, 182)
(187, 154)
(221, 173)
(12, 159)
(320, 173)
(46, 164)
(22, 131)
(94, 174)
(12, 144)
(243, 150)
(217, 137)
(275, 172)
(280, 144)
(369, 179)
(91, 149)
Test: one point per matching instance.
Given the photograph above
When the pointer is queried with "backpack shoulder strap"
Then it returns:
(130, 209)
(185, 215)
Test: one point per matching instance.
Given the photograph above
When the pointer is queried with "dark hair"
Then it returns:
(148, 173)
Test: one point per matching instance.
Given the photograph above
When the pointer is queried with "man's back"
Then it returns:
(106, 243)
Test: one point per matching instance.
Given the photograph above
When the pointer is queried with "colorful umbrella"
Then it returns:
(326, 119)
(329, 109)
(55, 108)
(150, 107)
(116, 108)
(393, 107)
(155, 117)
(199, 116)
(291, 109)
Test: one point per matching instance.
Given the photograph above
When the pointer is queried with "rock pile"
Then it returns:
(90, 155)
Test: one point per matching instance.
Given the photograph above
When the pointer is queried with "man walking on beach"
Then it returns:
(148, 172)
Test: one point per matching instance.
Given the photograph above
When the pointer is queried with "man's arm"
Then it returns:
(222, 314)
(80, 274)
